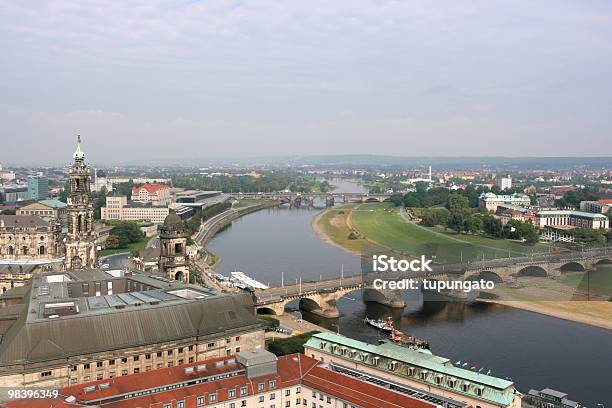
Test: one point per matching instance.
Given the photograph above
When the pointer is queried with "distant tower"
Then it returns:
(82, 239)
(173, 241)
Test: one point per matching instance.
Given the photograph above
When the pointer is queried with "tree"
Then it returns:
(411, 201)
(396, 200)
(457, 201)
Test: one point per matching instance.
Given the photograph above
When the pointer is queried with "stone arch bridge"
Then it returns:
(297, 199)
(320, 297)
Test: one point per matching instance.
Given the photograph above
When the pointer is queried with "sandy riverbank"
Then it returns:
(594, 313)
(321, 233)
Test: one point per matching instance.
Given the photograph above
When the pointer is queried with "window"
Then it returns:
(262, 398)
(124, 372)
(287, 393)
(272, 397)
(111, 362)
(237, 338)
(261, 387)
(200, 401)
(99, 364)
(243, 391)
(231, 393)
(46, 374)
(272, 384)
(288, 403)
(167, 405)
(298, 390)
(237, 349)
(124, 360)
(328, 399)
(180, 404)
(136, 358)
(190, 348)
(212, 397)
(180, 350)
(243, 403)
(211, 345)
(73, 368)
(159, 354)
(99, 376)
(136, 370)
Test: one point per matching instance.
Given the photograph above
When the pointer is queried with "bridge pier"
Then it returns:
(329, 201)
(296, 201)
(385, 297)
(310, 201)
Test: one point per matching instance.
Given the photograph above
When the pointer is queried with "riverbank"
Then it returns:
(594, 313)
(335, 225)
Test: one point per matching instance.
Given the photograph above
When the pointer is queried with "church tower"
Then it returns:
(173, 260)
(82, 240)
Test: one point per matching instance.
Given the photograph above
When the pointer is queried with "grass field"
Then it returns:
(136, 246)
(383, 225)
(597, 282)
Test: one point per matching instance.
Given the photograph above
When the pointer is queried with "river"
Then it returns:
(536, 351)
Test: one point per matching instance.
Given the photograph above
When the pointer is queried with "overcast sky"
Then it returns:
(175, 79)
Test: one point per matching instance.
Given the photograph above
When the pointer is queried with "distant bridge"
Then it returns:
(296, 199)
(320, 297)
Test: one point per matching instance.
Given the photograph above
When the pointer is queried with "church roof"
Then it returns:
(22, 221)
(173, 222)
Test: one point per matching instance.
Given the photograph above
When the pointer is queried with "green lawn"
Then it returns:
(389, 229)
(135, 246)
(597, 282)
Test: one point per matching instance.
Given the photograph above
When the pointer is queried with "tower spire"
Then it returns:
(79, 155)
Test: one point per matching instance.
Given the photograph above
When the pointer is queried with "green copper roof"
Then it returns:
(54, 204)
(493, 389)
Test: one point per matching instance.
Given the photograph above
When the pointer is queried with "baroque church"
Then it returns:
(28, 241)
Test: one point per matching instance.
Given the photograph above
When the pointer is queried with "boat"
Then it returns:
(384, 325)
(241, 279)
(397, 336)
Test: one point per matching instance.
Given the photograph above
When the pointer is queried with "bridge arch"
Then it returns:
(266, 311)
(572, 267)
(532, 270)
(308, 304)
(602, 262)
(485, 275)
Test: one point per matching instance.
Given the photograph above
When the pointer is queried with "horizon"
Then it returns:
(230, 79)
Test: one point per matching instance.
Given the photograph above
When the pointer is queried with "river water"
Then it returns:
(535, 351)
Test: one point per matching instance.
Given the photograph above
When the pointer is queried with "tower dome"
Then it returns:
(173, 226)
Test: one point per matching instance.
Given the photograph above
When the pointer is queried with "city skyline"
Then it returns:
(229, 79)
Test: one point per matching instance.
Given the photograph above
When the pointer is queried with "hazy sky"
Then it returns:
(176, 79)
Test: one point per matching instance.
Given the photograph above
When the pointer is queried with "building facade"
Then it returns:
(53, 209)
(29, 238)
(117, 208)
(601, 206)
(415, 368)
(173, 260)
(158, 194)
(81, 244)
(256, 379)
(576, 219)
(38, 188)
(490, 201)
(504, 182)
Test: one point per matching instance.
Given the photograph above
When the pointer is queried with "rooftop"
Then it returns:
(151, 188)
(573, 213)
(110, 309)
(220, 375)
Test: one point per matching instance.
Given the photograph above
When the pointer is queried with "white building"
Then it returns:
(118, 208)
(504, 182)
(490, 201)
